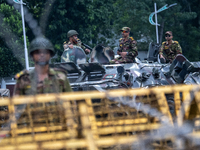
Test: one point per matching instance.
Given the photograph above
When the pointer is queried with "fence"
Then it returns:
(117, 119)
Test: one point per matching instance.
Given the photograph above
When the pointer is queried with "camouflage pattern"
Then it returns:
(126, 29)
(75, 55)
(170, 51)
(129, 46)
(27, 84)
(79, 43)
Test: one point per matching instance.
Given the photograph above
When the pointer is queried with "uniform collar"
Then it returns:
(167, 42)
(50, 72)
(127, 38)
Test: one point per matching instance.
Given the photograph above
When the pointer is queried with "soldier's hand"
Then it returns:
(65, 46)
(123, 54)
(87, 50)
(161, 56)
(70, 46)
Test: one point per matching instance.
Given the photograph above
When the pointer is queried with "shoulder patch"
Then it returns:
(163, 42)
(176, 42)
(65, 42)
(132, 38)
(120, 39)
(60, 69)
(61, 75)
(21, 73)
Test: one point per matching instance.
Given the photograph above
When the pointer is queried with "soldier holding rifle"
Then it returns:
(73, 39)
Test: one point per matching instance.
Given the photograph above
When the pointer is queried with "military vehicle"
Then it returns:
(146, 73)
(98, 74)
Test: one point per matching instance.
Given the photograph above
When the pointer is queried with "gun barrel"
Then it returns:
(88, 47)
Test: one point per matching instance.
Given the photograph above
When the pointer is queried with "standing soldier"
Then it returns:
(42, 79)
(73, 39)
(127, 48)
(169, 48)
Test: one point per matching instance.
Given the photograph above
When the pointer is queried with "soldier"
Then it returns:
(42, 79)
(127, 48)
(74, 40)
(169, 48)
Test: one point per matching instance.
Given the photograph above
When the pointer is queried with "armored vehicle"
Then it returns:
(146, 73)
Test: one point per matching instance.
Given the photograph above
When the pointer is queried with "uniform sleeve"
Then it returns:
(133, 51)
(161, 49)
(65, 45)
(179, 49)
(67, 87)
(120, 45)
(18, 88)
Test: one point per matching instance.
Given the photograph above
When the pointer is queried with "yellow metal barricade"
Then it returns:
(116, 119)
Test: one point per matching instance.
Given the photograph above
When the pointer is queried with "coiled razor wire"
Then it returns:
(167, 130)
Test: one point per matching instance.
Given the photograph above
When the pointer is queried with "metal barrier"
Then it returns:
(117, 119)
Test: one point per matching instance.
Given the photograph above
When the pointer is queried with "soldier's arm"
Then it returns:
(63, 81)
(179, 49)
(120, 46)
(82, 46)
(67, 87)
(18, 90)
(65, 45)
(134, 51)
(161, 49)
(85, 49)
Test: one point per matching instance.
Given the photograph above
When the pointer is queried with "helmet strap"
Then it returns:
(74, 40)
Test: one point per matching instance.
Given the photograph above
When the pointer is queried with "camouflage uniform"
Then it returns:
(55, 83)
(169, 52)
(129, 46)
(79, 43)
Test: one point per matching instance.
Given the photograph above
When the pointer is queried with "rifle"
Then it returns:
(88, 47)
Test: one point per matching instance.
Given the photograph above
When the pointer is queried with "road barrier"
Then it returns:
(115, 119)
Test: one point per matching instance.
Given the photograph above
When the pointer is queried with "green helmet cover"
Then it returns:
(71, 33)
(41, 43)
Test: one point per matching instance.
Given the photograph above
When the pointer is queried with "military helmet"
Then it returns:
(41, 43)
(71, 33)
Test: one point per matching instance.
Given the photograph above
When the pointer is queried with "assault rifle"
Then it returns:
(88, 47)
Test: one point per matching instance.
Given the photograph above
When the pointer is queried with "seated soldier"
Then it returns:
(127, 48)
(169, 48)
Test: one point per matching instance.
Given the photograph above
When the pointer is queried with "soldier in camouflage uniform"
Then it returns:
(74, 40)
(169, 48)
(127, 48)
(42, 79)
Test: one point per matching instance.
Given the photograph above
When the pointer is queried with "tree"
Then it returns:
(11, 51)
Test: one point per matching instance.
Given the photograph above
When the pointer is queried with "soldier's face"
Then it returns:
(168, 37)
(41, 57)
(125, 34)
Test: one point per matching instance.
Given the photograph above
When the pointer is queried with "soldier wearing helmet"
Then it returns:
(42, 79)
(73, 39)
(127, 48)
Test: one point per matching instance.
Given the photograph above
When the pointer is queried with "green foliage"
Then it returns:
(9, 63)
(11, 51)
(99, 22)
